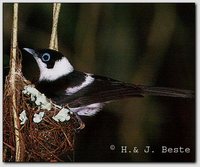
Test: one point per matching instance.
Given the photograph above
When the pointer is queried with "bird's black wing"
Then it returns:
(105, 89)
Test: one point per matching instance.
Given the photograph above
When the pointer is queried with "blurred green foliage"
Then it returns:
(148, 43)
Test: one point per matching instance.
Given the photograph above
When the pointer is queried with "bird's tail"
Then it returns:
(170, 92)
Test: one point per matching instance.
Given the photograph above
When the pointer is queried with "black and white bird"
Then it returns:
(84, 93)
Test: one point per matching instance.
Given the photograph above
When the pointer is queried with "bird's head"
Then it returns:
(52, 64)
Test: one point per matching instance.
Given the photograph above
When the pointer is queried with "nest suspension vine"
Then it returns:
(34, 128)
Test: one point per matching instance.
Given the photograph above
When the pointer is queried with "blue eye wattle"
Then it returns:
(46, 57)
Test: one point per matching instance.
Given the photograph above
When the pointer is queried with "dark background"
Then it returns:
(150, 44)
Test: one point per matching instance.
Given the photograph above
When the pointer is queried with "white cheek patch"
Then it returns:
(88, 81)
(61, 67)
(89, 110)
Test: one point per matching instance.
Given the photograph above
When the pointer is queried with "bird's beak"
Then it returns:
(31, 51)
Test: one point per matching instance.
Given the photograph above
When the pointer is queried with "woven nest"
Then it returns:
(44, 141)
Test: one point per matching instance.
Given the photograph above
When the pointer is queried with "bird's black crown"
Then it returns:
(49, 56)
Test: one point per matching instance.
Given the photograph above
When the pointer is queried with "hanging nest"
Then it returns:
(47, 140)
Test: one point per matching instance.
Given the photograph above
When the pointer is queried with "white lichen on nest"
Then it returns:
(63, 115)
(23, 117)
(44, 104)
(37, 97)
(38, 117)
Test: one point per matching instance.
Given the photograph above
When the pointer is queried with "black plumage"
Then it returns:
(59, 81)
(103, 89)
(57, 88)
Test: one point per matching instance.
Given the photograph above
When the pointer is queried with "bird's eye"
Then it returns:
(46, 57)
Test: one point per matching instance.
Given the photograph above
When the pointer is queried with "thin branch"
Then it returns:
(13, 58)
(56, 38)
(54, 41)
